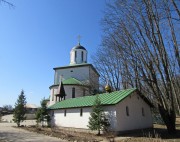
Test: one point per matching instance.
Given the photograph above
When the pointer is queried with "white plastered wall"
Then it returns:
(73, 118)
(135, 120)
(80, 73)
(68, 90)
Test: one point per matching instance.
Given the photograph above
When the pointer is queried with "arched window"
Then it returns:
(73, 92)
(127, 111)
(82, 56)
(75, 55)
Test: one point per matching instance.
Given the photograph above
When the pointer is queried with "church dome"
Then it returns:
(78, 47)
(108, 88)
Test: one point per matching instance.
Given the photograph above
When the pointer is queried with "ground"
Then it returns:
(14, 134)
(10, 134)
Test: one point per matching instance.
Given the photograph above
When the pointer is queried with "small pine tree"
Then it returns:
(42, 114)
(20, 110)
(97, 119)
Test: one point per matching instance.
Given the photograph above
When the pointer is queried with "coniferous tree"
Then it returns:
(97, 119)
(20, 110)
(42, 114)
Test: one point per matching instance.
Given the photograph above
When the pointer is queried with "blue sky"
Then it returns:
(36, 36)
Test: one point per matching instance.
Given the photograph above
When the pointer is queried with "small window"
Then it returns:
(127, 111)
(75, 55)
(82, 56)
(84, 91)
(143, 114)
(71, 70)
(73, 92)
(81, 112)
(65, 112)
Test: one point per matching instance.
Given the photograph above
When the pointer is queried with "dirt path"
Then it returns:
(10, 134)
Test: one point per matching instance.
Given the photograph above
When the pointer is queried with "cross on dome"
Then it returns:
(79, 39)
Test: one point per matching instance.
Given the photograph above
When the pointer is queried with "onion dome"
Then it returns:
(108, 88)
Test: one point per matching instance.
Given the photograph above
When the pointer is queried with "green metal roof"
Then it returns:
(72, 81)
(106, 99)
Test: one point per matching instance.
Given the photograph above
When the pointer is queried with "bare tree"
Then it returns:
(144, 34)
(6, 2)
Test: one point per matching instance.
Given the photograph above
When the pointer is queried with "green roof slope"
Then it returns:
(106, 99)
(71, 81)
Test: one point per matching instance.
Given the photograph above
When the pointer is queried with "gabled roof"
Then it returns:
(72, 81)
(106, 99)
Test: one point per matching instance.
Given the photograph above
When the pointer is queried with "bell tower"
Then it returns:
(78, 55)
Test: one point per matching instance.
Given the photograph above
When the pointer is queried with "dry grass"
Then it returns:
(69, 135)
(157, 134)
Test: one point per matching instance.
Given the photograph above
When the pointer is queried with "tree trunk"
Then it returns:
(18, 124)
(169, 119)
(98, 132)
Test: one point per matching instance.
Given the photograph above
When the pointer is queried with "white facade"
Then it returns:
(139, 114)
(79, 72)
(85, 73)
(116, 114)
(79, 92)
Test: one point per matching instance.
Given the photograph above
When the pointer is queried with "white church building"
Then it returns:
(71, 98)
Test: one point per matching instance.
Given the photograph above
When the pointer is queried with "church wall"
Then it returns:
(73, 118)
(135, 120)
(78, 91)
(80, 73)
(52, 96)
(68, 90)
